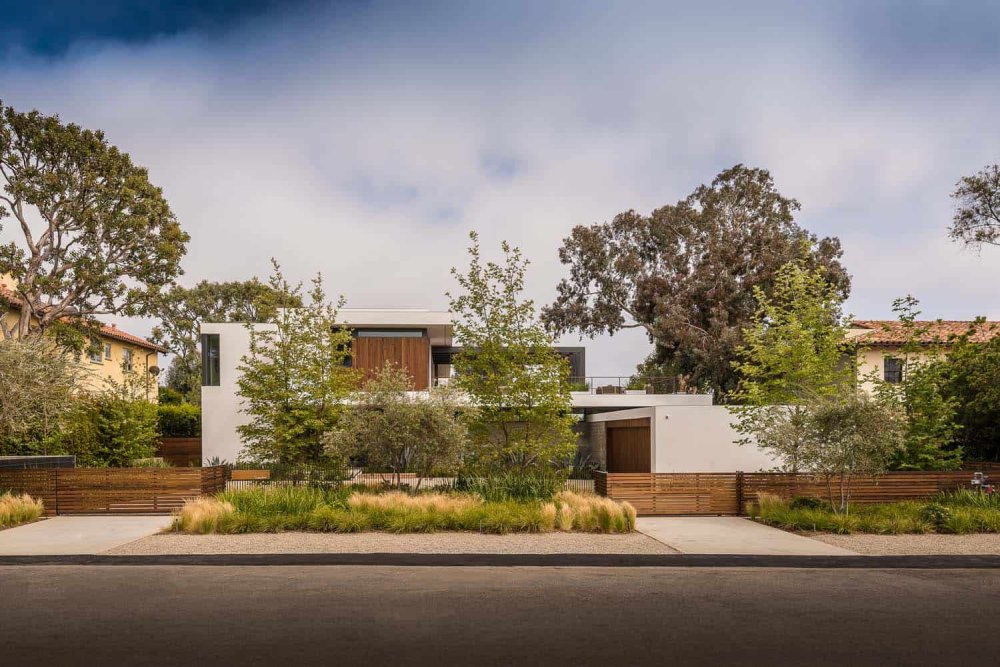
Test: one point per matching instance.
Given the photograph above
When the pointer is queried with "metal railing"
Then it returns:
(630, 384)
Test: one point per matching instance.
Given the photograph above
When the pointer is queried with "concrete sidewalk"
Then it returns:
(731, 535)
(68, 535)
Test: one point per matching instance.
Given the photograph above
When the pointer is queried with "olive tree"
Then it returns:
(839, 437)
(395, 430)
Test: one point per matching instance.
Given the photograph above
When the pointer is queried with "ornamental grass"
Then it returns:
(18, 509)
(274, 509)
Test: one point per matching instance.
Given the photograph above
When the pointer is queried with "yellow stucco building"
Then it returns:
(881, 344)
(112, 351)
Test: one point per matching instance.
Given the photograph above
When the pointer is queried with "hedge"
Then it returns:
(180, 421)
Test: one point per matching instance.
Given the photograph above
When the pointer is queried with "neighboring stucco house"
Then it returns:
(113, 350)
(650, 429)
(881, 343)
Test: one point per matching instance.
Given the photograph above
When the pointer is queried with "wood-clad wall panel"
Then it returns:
(411, 354)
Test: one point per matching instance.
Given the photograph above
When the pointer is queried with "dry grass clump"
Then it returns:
(202, 515)
(15, 510)
(593, 514)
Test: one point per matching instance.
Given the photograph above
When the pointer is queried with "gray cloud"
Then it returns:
(366, 144)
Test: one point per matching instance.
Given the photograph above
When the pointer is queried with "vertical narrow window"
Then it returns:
(210, 360)
(95, 352)
(892, 370)
(107, 351)
(127, 358)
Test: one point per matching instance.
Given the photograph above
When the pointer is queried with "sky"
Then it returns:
(365, 140)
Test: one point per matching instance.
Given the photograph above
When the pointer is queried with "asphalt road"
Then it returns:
(374, 615)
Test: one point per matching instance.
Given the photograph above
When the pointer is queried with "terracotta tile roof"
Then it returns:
(892, 332)
(107, 330)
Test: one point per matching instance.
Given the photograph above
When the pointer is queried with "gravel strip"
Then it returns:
(443, 543)
(914, 545)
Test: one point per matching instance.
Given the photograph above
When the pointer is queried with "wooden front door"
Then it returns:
(629, 446)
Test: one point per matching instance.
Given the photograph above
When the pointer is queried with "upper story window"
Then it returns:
(389, 333)
(127, 358)
(107, 351)
(95, 352)
(210, 360)
(892, 370)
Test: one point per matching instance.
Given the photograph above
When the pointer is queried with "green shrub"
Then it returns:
(806, 502)
(152, 462)
(969, 498)
(179, 421)
(127, 430)
(513, 485)
(936, 514)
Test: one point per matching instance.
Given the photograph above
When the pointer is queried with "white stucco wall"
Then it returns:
(693, 438)
(220, 406)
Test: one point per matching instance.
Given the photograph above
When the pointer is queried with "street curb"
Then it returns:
(521, 560)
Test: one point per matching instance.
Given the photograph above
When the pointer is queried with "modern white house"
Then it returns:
(626, 424)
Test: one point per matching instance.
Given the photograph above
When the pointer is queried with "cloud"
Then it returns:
(366, 141)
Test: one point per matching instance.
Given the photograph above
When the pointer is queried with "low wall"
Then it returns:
(114, 490)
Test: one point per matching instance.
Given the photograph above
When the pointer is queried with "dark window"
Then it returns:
(389, 333)
(892, 370)
(210, 360)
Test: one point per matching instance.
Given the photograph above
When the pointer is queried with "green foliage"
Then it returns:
(686, 273)
(38, 383)
(931, 428)
(179, 421)
(95, 235)
(793, 352)
(294, 379)
(518, 384)
(395, 430)
(970, 380)
(806, 503)
(169, 396)
(184, 309)
(959, 513)
(513, 485)
(127, 425)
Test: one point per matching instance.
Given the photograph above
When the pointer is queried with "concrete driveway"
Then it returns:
(731, 535)
(63, 535)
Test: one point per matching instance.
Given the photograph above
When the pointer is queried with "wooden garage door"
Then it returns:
(628, 446)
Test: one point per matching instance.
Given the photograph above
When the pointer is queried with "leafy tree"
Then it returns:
(518, 384)
(794, 350)
(396, 430)
(792, 355)
(38, 383)
(686, 274)
(971, 379)
(97, 237)
(839, 437)
(931, 429)
(977, 215)
(184, 309)
(295, 377)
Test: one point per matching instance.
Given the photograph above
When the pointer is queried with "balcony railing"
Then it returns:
(630, 384)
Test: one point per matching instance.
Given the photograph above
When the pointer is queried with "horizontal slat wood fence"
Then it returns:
(729, 493)
(114, 490)
(673, 493)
